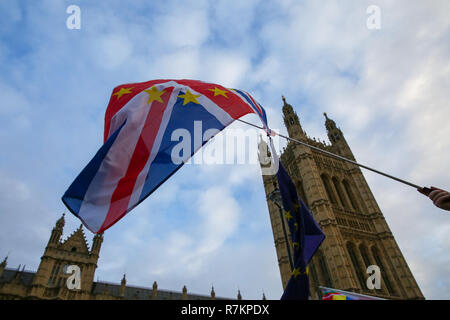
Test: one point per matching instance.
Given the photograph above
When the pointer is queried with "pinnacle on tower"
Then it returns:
(287, 108)
(329, 124)
(97, 243)
(61, 222)
(57, 231)
(184, 293)
(3, 264)
(155, 290)
(122, 286)
(337, 139)
(291, 121)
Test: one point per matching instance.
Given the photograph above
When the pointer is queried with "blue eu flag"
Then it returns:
(306, 236)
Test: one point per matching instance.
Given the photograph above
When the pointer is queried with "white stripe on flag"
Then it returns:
(97, 200)
(140, 181)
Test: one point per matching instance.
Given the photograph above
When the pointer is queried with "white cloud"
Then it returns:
(220, 222)
(113, 50)
(181, 28)
(225, 68)
(13, 190)
(179, 64)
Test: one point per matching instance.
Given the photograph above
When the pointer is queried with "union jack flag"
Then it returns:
(136, 157)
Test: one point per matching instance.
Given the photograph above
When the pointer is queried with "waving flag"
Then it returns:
(306, 237)
(144, 123)
(306, 234)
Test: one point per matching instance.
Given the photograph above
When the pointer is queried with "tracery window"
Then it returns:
(384, 275)
(326, 184)
(356, 265)
(365, 256)
(324, 270)
(350, 195)
(341, 196)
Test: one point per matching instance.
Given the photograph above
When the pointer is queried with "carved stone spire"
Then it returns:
(337, 139)
(291, 121)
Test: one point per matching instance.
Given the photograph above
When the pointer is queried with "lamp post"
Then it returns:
(275, 197)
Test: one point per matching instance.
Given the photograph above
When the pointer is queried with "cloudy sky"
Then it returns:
(387, 88)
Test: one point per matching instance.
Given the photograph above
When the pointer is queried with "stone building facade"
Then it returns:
(50, 280)
(341, 201)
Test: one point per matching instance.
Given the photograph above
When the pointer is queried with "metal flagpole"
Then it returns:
(423, 189)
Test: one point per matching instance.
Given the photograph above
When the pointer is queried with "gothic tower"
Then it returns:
(340, 199)
(51, 278)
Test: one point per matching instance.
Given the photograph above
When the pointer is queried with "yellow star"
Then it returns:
(296, 272)
(121, 92)
(296, 206)
(287, 215)
(296, 244)
(189, 97)
(154, 94)
(296, 225)
(218, 92)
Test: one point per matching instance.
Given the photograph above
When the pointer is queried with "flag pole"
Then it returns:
(423, 189)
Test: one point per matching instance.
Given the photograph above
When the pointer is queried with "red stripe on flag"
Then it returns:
(329, 296)
(256, 105)
(122, 194)
(116, 103)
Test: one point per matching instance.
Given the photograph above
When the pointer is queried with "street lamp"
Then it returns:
(275, 197)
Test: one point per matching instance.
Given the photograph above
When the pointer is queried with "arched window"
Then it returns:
(291, 120)
(338, 188)
(326, 184)
(356, 265)
(365, 256)
(54, 268)
(350, 195)
(324, 270)
(384, 275)
(314, 277)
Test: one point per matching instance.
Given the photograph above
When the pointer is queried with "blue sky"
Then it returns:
(387, 89)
